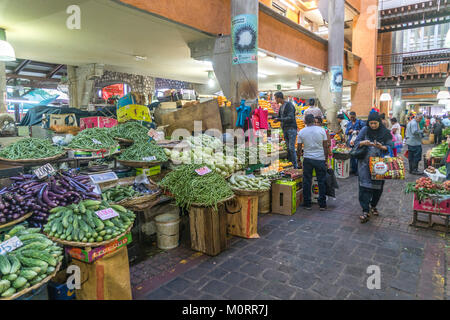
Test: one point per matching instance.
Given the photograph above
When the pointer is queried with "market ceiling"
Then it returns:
(122, 38)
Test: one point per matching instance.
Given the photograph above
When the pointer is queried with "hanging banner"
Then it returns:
(337, 78)
(244, 31)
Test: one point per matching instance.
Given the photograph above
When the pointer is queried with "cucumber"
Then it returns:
(15, 230)
(40, 256)
(32, 236)
(31, 262)
(84, 226)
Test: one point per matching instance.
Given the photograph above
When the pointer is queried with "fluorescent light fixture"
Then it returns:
(444, 101)
(447, 82)
(286, 62)
(398, 103)
(262, 75)
(287, 4)
(443, 95)
(211, 83)
(9, 89)
(385, 97)
(313, 71)
(22, 101)
(262, 54)
(140, 58)
(6, 50)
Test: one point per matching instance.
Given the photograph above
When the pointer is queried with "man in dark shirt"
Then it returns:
(437, 131)
(286, 115)
(353, 128)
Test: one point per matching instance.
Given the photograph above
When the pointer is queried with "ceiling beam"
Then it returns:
(54, 71)
(17, 76)
(20, 67)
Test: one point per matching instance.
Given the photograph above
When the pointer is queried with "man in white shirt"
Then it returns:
(315, 111)
(315, 153)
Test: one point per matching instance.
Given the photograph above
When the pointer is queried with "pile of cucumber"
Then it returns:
(28, 264)
(80, 223)
(246, 183)
(120, 193)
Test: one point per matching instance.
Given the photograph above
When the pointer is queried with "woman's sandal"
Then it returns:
(374, 212)
(364, 218)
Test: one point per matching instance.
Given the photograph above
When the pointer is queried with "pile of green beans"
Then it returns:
(189, 187)
(85, 139)
(30, 148)
(131, 130)
(143, 149)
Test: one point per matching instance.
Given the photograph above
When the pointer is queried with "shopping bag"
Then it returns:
(386, 168)
(332, 184)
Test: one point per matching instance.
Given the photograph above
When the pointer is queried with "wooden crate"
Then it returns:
(208, 229)
(245, 223)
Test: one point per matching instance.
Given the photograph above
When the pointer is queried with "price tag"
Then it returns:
(96, 141)
(152, 158)
(203, 171)
(106, 214)
(44, 171)
(10, 245)
(103, 177)
(156, 135)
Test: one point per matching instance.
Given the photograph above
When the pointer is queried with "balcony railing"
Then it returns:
(414, 63)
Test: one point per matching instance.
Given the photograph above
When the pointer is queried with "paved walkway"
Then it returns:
(311, 255)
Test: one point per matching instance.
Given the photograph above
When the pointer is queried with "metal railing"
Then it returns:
(413, 63)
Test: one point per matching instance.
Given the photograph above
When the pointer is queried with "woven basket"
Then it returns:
(88, 244)
(34, 161)
(341, 156)
(11, 223)
(139, 164)
(36, 286)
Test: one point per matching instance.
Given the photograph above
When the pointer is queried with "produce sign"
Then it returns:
(246, 183)
(387, 168)
(425, 187)
(189, 187)
(203, 171)
(30, 148)
(79, 222)
(28, 264)
(44, 171)
(130, 130)
(27, 194)
(143, 149)
(106, 214)
(93, 139)
(10, 245)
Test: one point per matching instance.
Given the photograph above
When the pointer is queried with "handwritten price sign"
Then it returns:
(203, 171)
(152, 158)
(106, 214)
(10, 245)
(44, 171)
(96, 141)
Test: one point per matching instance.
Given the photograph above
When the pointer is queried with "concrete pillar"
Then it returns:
(244, 76)
(81, 84)
(336, 17)
(3, 103)
(364, 45)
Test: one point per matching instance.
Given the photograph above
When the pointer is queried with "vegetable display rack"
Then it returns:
(14, 222)
(431, 207)
(36, 286)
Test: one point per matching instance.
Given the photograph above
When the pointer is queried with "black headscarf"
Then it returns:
(382, 134)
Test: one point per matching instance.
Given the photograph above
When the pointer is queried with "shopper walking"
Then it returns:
(396, 133)
(377, 139)
(384, 121)
(315, 111)
(414, 141)
(286, 115)
(437, 131)
(315, 152)
(354, 126)
(343, 127)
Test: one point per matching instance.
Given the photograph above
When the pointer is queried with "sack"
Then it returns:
(386, 168)
(331, 183)
(359, 153)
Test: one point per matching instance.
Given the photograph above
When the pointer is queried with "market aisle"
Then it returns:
(318, 255)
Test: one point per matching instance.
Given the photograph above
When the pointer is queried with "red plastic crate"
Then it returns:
(97, 122)
(428, 206)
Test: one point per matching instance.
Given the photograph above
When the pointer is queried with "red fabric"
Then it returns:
(263, 115)
(448, 158)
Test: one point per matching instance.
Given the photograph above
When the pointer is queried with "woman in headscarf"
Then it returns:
(377, 139)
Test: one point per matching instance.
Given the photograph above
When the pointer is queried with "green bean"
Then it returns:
(189, 187)
(143, 149)
(30, 148)
(87, 139)
(130, 130)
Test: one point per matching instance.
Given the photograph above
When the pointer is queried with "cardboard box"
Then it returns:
(168, 105)
(97, 122)
(71, 154)
(428, 206)
(284, 197)
(342, 168)
(134, 112)
(149, 172)
(299, 197)
(68, 119)
(315, 190)
(92, 254)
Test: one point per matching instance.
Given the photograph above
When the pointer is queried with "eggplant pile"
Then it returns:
(28, 194)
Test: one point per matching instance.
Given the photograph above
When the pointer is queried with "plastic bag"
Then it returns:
(331, 184)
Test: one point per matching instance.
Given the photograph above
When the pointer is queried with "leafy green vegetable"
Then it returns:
(440, 151)
(94, 139)
(30, 148)
(143, 149)
(189, 187)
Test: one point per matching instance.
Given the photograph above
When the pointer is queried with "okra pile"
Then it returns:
(80, 223)
(30, 148)
(29, 264)
(93, 139)
(142, 151)
(130, 130)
